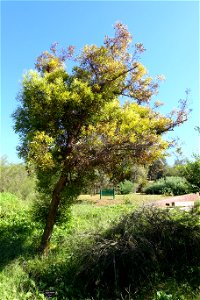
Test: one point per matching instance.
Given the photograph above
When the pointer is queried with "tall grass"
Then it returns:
(20, 267)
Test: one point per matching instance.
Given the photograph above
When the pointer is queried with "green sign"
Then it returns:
(107, 192)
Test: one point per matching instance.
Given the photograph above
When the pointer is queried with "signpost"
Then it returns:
(107, 192)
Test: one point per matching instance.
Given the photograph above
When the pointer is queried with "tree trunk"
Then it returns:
(56, 197)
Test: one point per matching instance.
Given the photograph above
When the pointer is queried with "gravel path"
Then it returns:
(172, 200)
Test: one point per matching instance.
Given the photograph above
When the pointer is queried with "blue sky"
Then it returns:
(169, 31)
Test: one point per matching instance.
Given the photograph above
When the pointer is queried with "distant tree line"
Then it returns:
(158, 178)
(16, 180)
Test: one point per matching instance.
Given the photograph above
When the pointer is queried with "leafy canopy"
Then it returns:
(99, 115)
(191, 171)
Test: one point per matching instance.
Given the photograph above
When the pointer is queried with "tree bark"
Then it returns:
(56, 197)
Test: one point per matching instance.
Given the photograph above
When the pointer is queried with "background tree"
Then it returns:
(177, 168)
(71, 124)
(15, 180)
(157, 169)
(100, 180)
(191, 171)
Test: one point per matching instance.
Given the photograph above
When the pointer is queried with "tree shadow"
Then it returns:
(13, 242)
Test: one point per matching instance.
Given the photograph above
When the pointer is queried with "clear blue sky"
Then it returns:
(169, 31)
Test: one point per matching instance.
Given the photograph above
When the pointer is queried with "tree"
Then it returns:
(72, 124)
(157, 169)
(15, 180)
(191, 171)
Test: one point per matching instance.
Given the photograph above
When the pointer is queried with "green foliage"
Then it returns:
(191, 171)
(15, 180)
(15, 284)
(17, 244)
(175, 290)
(127, 171)
(15, 227)
(177, 169)
(160, 295)
(127, 187)
(157, 170)
(136, 174)
(168, 186)
(41, 205)
(197, 207)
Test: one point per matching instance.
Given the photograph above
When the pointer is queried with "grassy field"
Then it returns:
(133, 199)
(19, 239)
(25, 275)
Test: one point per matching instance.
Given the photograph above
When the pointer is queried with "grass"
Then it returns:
(25, 275)
(134, 199)
(19, 264)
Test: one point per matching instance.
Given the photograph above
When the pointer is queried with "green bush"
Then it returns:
(127, 187)
(191, 171)
(168, 186)
(197, 207)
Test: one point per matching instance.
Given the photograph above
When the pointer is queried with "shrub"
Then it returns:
(127, 187)
(197, 207)
(168, 186)
(142, 251)
(191, 171)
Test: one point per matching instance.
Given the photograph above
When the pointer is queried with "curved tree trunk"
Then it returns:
(56, 197)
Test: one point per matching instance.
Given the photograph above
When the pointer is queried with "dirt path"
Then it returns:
(177, 199)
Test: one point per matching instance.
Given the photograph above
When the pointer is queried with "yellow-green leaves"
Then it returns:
(139, 72)
(130, 130)
(64, 115)
(48, 62)
(40, 151)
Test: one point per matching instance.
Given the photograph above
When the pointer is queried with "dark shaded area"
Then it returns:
(13, 242)
(142, 251)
